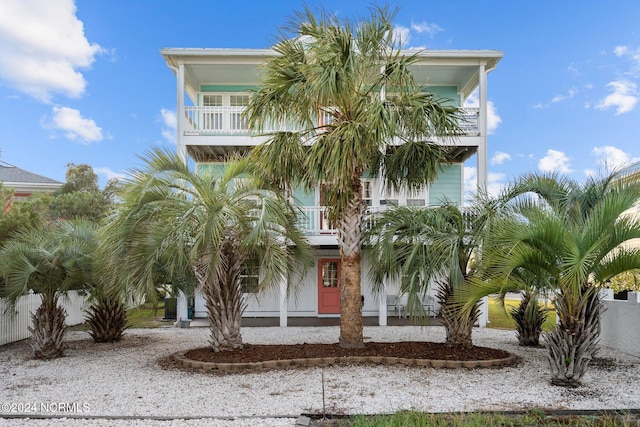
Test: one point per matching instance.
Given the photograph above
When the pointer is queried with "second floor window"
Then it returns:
(212, 117)
(239, 102)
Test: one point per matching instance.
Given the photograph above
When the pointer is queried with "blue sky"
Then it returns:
(84, 82)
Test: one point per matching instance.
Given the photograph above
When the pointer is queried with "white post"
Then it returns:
(382, 306)
(182, 312)
(483, 318)
(283, 303)
(182, 150)
(482, 127)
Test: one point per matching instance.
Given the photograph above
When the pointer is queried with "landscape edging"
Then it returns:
(181, 358)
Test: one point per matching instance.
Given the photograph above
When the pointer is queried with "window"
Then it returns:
(212, 117)
(239, 101)
(367, 193)
(250, 277)
(330, 274)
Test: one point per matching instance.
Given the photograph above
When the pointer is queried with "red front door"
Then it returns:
(329, 286)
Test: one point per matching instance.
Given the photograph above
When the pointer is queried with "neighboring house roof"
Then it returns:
(25, 182)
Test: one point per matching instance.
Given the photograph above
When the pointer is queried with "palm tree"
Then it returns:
(49, 260)
(573, 235)
(418, 247)
(203, 227)
(327, 80)
(106, 316)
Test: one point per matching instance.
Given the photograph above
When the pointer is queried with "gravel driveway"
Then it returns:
(122, 384)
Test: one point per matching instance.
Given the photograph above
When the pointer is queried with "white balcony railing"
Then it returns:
(229, 121)
(313, 220)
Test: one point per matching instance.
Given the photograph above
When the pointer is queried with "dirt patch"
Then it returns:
(407, 350)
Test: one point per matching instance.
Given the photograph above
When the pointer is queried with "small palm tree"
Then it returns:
(420, 246)
(574, 235)
(205, 227)
(49, 260)
(529, 317)
(327, 80)
(106, 316)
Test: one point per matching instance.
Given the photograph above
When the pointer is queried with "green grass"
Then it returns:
(499, 319)
(533, 418)
(139, 317)
(146, 317)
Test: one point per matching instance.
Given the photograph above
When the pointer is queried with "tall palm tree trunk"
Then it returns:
(350, 237)
(223, 300)
(573, 344)
(48, 328)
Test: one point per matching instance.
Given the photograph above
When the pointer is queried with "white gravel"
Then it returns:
(110, 382)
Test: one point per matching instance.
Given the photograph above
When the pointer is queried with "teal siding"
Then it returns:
(446, 92)
(217, 169)
(447, 186)
(227, 88)
(303, 197)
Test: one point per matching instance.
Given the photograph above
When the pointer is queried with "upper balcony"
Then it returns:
(207, 132)
(203, 121)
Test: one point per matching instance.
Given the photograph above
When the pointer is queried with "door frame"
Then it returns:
(320, 287)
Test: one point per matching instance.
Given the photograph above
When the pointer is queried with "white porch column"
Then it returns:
(382, 306)
(483, 318)
(182, 149)
(482, 127)
(182, 313)
(283, 303)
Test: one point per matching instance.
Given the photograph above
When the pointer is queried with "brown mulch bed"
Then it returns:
(409, 350)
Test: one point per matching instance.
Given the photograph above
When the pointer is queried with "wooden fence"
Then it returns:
(14, 321)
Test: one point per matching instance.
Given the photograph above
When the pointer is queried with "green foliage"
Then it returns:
(339, 66)
(499, 317)
(570, 238)
(181, 227)
(80, 178)
(49, 259)
(106, 318)
(533, 418)
(421, 247)
(79, 198)
(629, 280)
(25, 213)
(92, 206)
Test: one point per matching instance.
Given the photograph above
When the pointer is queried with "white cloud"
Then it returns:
(570, 94)
(500, 157)
(620, 50)
(493, 119)
(495, 182)
(401, 35)
(109, 174)
(425, 27)
(42, 46)
(555, 161)
(470, 178)
(610, 157)
(169, 122)
(75, 127)
(623, 98)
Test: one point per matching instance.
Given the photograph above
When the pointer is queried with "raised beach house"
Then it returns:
(213, 86)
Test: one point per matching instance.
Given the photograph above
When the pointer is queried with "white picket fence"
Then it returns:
(14, 321)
